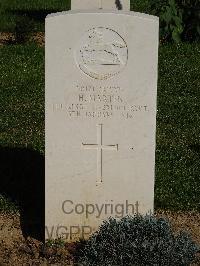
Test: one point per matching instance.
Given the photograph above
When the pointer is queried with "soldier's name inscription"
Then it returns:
(99, 102)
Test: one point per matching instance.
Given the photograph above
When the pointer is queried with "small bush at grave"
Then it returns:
(137, 241)
(191, 18)
(179, 19)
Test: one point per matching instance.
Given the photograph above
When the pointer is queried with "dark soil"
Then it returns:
(16, 250)
(7, 38)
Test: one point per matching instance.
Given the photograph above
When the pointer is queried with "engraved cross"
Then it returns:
(100, 147)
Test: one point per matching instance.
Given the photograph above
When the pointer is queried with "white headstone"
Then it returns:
(101, 4)
(101, 83)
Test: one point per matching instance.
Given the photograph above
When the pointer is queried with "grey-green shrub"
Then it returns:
(137, 241)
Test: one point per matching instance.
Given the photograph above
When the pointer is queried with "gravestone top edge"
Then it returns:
(130, 13)
(101, 4)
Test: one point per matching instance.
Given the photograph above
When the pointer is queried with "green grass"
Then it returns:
(22, 97)
(7, 205)
(13, 11)
(178, 131)
(22, 115)
(178, 118)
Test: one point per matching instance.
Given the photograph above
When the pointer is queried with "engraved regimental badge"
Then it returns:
(101, 53)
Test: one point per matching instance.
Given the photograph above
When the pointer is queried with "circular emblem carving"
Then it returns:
(102, 53)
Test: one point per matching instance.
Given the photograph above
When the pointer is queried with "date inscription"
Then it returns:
(99, 102)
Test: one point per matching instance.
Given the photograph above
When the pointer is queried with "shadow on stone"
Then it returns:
(22, 180)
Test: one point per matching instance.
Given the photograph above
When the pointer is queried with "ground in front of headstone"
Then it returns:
(15, 250)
